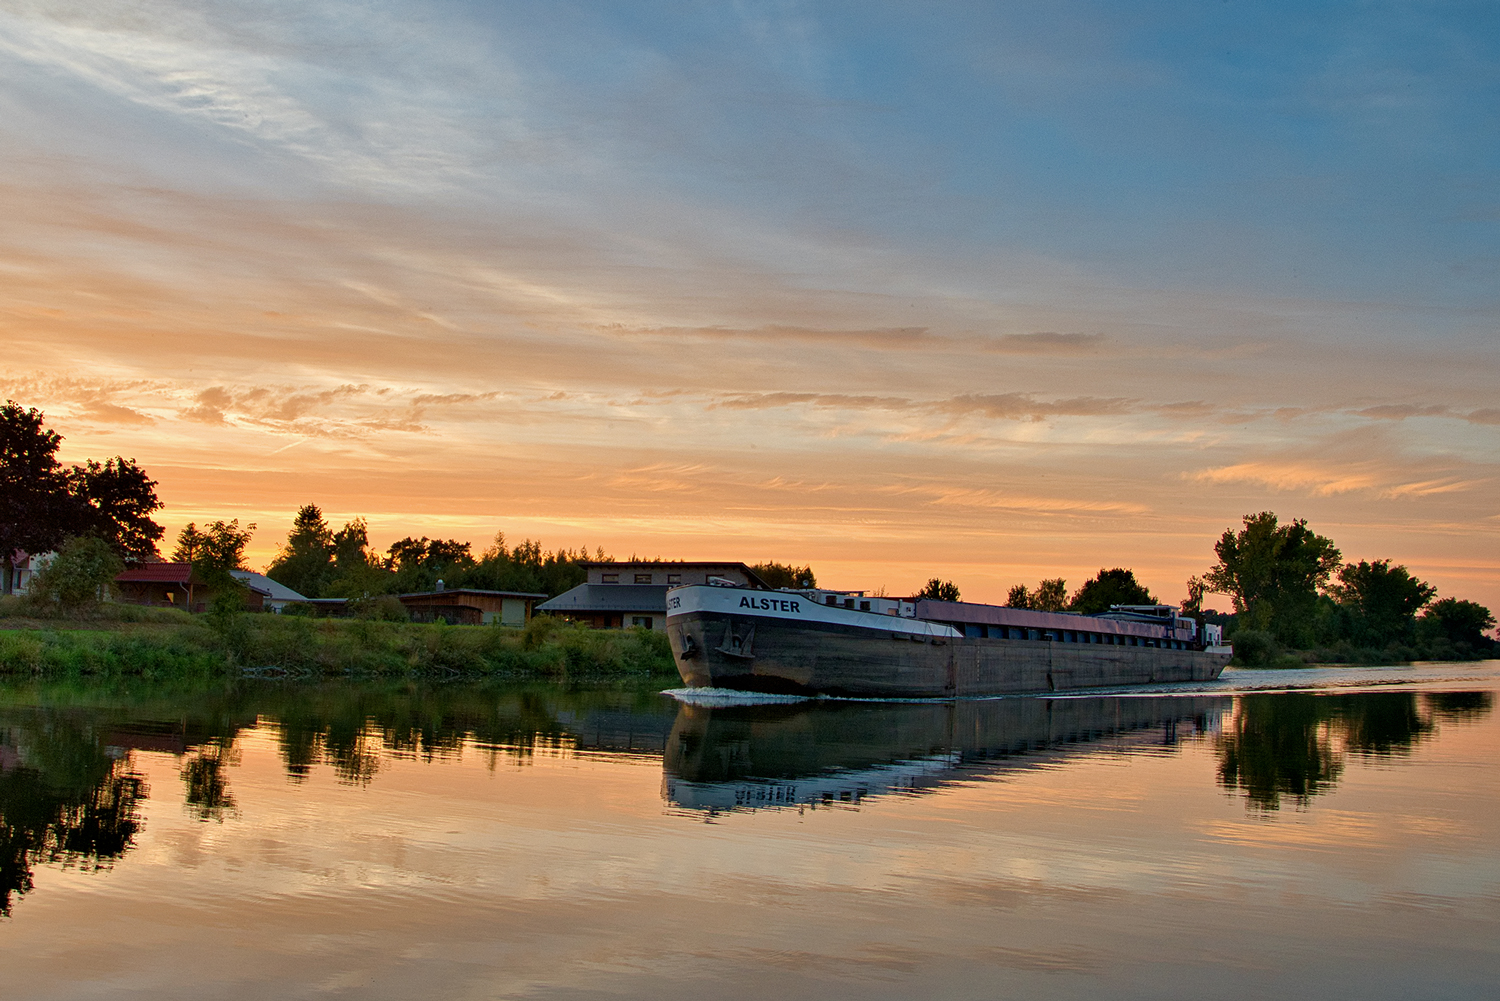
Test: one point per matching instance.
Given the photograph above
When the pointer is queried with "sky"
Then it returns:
(990, 292)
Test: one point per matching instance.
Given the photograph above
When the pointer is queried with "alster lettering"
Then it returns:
(771, 604)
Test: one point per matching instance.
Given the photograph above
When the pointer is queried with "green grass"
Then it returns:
(165, 643)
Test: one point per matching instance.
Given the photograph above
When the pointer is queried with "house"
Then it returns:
(23, 567)
(166, 585)
(469, 606)
(617, 595)
(273, 596)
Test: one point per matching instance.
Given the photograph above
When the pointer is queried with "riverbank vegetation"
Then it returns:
(1296, 601)
(111, 640)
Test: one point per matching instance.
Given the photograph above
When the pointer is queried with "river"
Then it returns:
(1329, 833)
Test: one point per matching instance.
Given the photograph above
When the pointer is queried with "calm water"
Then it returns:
(1331, 834)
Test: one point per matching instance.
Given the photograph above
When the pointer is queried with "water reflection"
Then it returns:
(71, 791)
(1295, 744)
(840, 753)
(65, 798)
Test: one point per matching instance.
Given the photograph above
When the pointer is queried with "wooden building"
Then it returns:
(467, 606)
(165, 585)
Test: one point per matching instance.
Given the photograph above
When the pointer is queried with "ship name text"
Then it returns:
(771, 604)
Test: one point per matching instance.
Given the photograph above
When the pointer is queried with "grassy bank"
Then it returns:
(163, 643)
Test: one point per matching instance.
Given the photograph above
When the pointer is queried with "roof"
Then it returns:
(472, 590)
(158, 573)
(274, 590)
(744, 568)
(957, 612)
(609, 598)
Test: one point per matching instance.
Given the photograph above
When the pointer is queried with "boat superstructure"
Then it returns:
(846, 643)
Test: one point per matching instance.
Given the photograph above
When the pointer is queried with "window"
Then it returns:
(864, 606)
(643, 578)
(644, 621)
(611, 578)
(674, 578)
(848, 602)
(832, 599)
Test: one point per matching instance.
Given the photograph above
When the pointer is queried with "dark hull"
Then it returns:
(716, 650)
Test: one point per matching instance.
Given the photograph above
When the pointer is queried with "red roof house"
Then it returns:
(167, 585)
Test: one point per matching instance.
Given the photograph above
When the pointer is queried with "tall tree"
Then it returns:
(305, 561)
(1110, 587)
(1273, 572)
(1381, 601)
(115, 502)
(36, 510)
(357, 572)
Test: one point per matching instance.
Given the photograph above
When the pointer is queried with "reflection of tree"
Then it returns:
(1458, 707)
(1295, 744)
(1277, 745)
(63, 800)
(207, 785)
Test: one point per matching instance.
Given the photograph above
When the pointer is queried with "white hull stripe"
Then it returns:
(790, 606)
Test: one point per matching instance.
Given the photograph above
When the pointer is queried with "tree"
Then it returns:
(420, 563)
(357, 573)
(785, 575)
(1110, 587)
(305, 561)
(1192, 605)
(115, 503)
(1381, 601)
(78, 576)
(939, 590)
(1457, 622)
(214, 551)
(1049, 596)
(1273, 573)
(36, 509)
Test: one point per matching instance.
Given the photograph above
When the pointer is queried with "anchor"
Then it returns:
(737, 646)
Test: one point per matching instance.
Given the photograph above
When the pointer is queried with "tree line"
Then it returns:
(318, 561)
(1292, 590)
(1290, 587)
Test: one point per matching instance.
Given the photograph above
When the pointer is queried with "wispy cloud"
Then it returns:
(1318, 480)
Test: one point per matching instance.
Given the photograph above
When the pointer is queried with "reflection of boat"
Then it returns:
(829, 642)
(727, 757)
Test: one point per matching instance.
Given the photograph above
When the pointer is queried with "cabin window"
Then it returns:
(674, 578)
(864, 606)
(611, 578)
(643, 578)
(832, 599)
(848, 602)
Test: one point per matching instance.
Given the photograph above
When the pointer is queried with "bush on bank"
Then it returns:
(128, 641)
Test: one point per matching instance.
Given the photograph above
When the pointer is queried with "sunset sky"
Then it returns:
(988, 292)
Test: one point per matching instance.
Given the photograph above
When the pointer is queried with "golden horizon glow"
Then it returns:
(425, 271)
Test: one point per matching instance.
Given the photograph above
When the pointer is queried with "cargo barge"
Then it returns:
(812, 642)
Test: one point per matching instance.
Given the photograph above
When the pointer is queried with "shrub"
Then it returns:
(78, 577)
(1255, 648)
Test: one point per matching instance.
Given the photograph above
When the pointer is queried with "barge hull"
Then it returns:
(765, 654)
